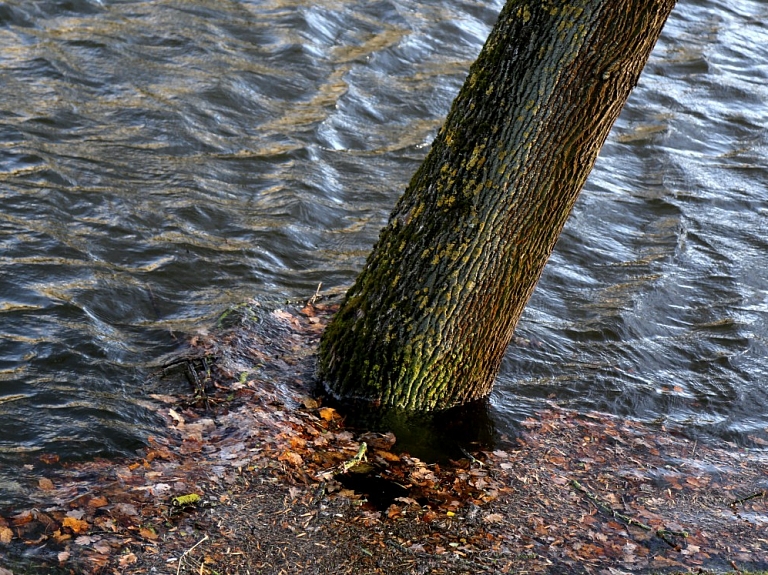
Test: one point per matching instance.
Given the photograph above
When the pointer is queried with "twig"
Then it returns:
(181, 559)
(607, 509)
(317, 295)
(347, 465)
(762, 493)
(663, 534)
(472, 458)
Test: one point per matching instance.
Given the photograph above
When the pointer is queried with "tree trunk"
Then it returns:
(428, 319)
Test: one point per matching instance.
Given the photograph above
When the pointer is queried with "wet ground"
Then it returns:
(255, 473)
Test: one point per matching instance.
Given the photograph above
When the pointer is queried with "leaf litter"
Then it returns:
(256, 475)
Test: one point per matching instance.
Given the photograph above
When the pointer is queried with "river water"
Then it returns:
(161, 160)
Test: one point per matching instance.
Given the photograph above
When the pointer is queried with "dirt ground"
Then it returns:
(256, 475)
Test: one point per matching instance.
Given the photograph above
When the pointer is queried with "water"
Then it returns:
(161, 160)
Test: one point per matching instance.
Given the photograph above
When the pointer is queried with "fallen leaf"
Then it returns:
(76, 525)
(98, 502)
(178, 418)
(127, 559)
(387, 455)
(494, 518)
(85, 540)
(308, 310)
(23, 518)
(328, 413)
(310, 403)
(148, 533)
(298, 442)
(45, 484)
(393, 511)
(292, 457)
(63, 556)
(5, 535)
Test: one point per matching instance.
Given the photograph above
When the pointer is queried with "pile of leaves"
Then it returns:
(255, 474)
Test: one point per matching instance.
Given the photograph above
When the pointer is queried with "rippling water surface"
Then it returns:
(161, 160)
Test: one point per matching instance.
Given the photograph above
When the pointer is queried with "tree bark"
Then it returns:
(426, 323)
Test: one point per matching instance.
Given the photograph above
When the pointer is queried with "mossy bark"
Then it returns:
(426, 323)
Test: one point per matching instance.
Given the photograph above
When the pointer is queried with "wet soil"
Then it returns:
(256, 475)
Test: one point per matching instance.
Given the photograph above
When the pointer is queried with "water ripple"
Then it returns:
(160, 161)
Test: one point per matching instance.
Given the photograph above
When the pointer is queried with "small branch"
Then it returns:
(472, 458)
(317, 295)
(607, 509)
(762, 493)
(181, 559)
(346, 466)
(663, 534)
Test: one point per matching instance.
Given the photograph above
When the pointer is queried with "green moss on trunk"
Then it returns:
(426, 323)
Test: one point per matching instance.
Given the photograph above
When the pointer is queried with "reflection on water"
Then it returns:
(161, 160)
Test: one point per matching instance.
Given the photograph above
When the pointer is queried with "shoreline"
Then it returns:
(256, 474)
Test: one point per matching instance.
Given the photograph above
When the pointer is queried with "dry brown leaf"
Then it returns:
(388, 456)
(298, 442)
(310, 403)
(127, 559)
(102, 548)
(393, 511)
(148, 533)
(23, 518)
(60, 537)
(98, 502)
(45, 484)
(292, 457)
(494, 518)
(63, 556)
(308, 310)
(5, 535)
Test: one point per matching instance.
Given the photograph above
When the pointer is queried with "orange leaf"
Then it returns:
(23, 518)
(5, 535)
(45, 484)
(76, 525)
(387, 455)
(393, 511)
(328, 413)
(298, 442)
